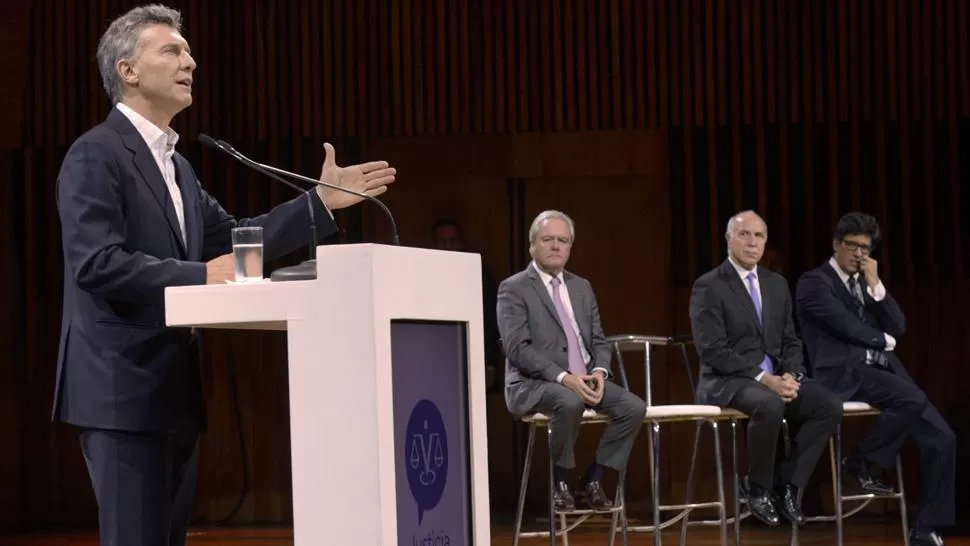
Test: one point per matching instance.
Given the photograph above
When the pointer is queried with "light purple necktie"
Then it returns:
(576, 365)
(753, 292)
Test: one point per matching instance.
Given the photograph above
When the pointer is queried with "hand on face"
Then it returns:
(868, 266)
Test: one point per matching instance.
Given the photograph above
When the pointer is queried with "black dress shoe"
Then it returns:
(562, 498)
(759, 502)
(787, 504)
(596, 498)
(924, 538)
(864, 479)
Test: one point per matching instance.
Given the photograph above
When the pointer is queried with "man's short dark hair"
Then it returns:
(857, 223)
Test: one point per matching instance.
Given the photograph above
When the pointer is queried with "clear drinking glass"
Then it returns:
(247, 251)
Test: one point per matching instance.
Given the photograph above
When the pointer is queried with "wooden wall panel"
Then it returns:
(627, 111)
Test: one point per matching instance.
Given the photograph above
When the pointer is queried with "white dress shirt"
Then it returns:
(568, 306)
(743, 273)
(877, 293)
(162, 145)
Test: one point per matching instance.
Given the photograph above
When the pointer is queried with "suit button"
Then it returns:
(565, 349)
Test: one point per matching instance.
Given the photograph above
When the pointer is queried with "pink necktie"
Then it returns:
(576, 365)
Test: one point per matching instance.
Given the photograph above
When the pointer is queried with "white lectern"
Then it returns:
(387, 391)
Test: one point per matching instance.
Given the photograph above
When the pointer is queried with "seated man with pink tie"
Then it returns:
(558, 362)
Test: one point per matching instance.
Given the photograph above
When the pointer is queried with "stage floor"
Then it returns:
(856, 534)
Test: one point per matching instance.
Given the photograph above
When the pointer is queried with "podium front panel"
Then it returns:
(429, 361)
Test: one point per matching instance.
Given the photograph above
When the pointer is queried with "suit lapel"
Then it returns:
(741, 292)
(848, 298)
(148, 169)
(186, 182)
(767, 300)
(576, 297)
(543, 293)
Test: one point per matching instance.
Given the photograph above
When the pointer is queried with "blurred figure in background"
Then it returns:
(446, 235)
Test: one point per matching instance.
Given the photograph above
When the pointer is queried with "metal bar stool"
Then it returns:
(858, 409)
(657, 414)
(535, 422)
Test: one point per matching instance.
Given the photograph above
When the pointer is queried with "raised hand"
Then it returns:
(368, 178)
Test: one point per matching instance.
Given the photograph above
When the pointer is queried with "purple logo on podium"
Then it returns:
(426, 451)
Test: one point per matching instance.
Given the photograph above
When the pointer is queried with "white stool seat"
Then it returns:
(588, 415)
(682, 410)
(856, 406)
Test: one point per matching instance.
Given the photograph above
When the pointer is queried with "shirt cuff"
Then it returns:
(759, 376)
(560, 376)
(890, 342)
(606, 374)
(877, 293)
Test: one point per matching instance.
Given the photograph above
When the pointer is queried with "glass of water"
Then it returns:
(247, 251)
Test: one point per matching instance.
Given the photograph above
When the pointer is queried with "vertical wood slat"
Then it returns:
(809, 59)
(721, 67)
(511, 89)
(558, 101)
(831, 112)
(465, 66)
(711, 125)
(452, 78)
(929, 182)
(591, 46)
(745, 55)
(663, 80)
(852, 100)
(784, 117)
(759, 99)
(953, 111)
(964, 60)
(903, 47)
(737, 110)
(521, 99)
(547, 85)
(697, 61)
(618, 76)
(645, 48)
(570, 63)
(771, 77)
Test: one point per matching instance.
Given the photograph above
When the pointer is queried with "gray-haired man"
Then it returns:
(558, 362)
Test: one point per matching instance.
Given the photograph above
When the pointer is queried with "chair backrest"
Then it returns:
(645, 343)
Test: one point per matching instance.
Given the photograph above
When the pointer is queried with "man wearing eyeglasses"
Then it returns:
(850, 325)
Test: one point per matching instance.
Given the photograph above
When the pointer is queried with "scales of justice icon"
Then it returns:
(426, 454)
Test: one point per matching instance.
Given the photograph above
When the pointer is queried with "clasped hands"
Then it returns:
(785, 386)
(579, 384)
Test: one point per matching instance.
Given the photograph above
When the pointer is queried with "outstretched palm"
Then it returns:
(368, 178)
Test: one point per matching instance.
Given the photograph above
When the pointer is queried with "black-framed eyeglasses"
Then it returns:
(852, 246)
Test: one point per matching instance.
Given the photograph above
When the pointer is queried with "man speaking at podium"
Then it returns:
(134, 220)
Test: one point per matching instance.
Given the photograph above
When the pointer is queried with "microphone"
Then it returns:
(395, 238)
(307, 270)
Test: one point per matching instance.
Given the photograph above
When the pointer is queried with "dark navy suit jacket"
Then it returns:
(835, 337)
(119, 366)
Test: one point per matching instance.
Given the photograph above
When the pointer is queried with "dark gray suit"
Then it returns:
(732, 342)
(535, 348)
